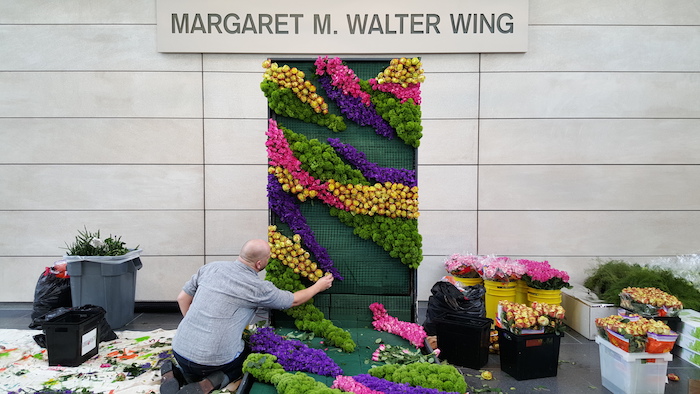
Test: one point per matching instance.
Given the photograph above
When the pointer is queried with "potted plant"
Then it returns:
(103, 272)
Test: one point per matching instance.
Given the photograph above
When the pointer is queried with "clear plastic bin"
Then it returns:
(632, 373)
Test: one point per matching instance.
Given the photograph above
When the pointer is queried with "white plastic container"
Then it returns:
(632, 373)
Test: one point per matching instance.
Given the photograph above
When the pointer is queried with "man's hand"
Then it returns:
(325, 282)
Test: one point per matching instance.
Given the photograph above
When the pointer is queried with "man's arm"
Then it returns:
(304, 295)
(184, 300)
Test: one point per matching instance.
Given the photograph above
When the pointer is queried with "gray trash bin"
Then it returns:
(106, 281)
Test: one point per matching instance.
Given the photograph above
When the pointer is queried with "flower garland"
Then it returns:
(350, 385)
(280, 154)
(372, 170)
(443, 377)
(282, 204)
(404, 117)
(283, 102)
(292, 354)
(402, 78)
(412, 332)
(342, 77)
(354, 109)
(388, 387)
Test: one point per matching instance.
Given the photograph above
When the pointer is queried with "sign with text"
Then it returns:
(348, 27)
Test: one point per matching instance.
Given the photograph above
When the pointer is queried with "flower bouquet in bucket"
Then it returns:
(541, 275)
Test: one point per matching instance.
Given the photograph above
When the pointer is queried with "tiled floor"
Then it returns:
(579, 364)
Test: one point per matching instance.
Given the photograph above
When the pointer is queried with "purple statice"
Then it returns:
(388, 387)
(371, 170)
(292, 354)
(355, 110)
(285, 207)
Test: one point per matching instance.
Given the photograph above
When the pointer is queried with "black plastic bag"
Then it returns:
(104, 330)
(447, 299)
(52, 291)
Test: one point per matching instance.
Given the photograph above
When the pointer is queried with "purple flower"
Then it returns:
(371, 170)
(355, 110)
(394, 388)
(292, 354)
(285, 207)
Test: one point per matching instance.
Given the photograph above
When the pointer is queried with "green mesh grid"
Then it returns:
(352, 310)
(370, 274)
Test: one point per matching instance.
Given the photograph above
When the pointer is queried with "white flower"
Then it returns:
(97, 243)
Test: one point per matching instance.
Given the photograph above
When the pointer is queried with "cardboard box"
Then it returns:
(690, 323)
(688, 342)
(632, 373)
(582, 308)
(688, 355)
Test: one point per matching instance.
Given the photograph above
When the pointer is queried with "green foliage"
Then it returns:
(609, 278)
(442, 377)
(90, 244)
(307, 316)
(284, 102)
(321, 161)
(264, 368)
(398, 236)
(405, 117)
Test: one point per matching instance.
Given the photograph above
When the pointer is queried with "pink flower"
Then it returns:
(348, 384)
(410, 92)
(342, 77)
(280, 154)
(412, 332)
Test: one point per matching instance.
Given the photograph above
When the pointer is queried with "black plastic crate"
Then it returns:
(72, 338)
(463, 340)
(529, 356)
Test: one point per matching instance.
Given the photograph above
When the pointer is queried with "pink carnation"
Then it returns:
(348, 384)
(412, 332)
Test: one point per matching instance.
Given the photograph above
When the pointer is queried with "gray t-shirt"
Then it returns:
(226, 296)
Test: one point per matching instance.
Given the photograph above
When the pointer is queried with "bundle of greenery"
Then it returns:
(608, 279)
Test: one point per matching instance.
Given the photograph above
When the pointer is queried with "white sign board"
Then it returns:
(347, 27)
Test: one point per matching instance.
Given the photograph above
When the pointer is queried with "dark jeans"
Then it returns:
(196, 372)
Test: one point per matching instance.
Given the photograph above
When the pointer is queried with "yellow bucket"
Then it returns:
(551, 297)
(496, 291)
(469, 281)
(521, 289)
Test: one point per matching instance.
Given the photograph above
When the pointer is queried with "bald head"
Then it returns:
(254, 251)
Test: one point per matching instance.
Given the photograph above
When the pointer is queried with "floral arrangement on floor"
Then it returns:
(533, 319)
(293, 354)
(412, 332)
(265, 368)
(464, 265)
(541, 275)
